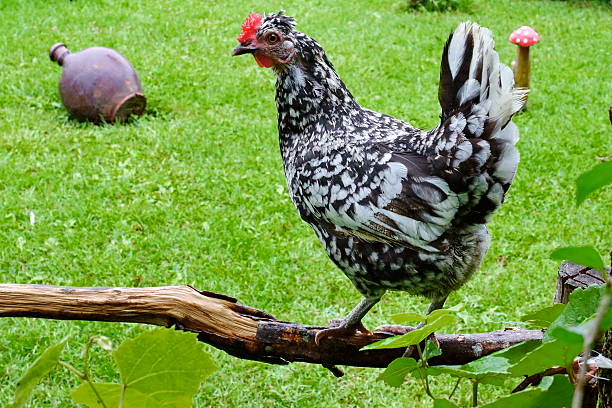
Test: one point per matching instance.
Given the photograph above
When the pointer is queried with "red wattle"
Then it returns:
(263, 61)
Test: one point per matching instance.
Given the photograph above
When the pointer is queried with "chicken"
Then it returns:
(395, 207)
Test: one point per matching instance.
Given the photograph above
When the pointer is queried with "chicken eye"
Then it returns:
(273, 38)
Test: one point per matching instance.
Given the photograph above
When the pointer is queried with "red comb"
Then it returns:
(249, 27)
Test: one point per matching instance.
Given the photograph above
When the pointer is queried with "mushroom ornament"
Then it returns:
(524, 37)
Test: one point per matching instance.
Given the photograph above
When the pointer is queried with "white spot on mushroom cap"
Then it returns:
(524, 36)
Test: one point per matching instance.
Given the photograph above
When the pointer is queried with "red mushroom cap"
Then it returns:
(524, 36)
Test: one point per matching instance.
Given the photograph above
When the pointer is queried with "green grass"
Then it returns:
(193, 192)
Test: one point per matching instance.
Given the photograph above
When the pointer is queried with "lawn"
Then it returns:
(193, 192)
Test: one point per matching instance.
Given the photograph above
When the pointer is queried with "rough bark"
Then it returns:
(572, 276)
(239, 330)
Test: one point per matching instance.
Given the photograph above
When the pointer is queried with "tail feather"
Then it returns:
(470, 62)
(478, 100)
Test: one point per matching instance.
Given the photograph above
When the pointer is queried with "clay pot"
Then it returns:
(98, 84)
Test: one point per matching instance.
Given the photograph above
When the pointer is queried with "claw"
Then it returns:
(351, 324)
(342, 330)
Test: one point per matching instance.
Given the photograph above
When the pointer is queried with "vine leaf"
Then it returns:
(415, 336)
(395, 372)
(544, 317)
(32, 376)
(444, 403)
(159, 368)
(606, 322)
(582, 255)
(408, 317)
(582, 305)
(553, 392)
(597, 177)
(110, 394)
(491, 369)
(550, 354)
(563, 340)
(431, 350)
(411, 317)
(573, 334)
(399, 368)
(441, 312)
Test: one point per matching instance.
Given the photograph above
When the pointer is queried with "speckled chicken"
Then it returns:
(396, 207)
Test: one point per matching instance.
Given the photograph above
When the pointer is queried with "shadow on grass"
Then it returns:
(605, 4)
(151, 113)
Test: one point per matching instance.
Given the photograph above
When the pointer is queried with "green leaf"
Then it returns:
(410, 317)
(405, 318)
(172, 354)
(495, 368)
(159, 368)
(582, 305)
(554, 393)
(486, 375)
(39, 368)
(395, 373)
(110, 394)
(413, 337)
(568, 334)
(434, 315)
(431, 350)
(444, 403)
(490, 369)
(583, 255)
(606, 322)
(551, 354)
(577, 333)
(597, 177)
(544, 317)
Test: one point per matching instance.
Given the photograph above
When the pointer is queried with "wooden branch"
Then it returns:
(241, 331)
(571, 276)
(535, 379)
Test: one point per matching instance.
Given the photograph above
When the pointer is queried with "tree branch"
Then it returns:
(535, 379)
(240, 330)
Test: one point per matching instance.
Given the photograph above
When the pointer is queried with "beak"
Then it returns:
(244, 49)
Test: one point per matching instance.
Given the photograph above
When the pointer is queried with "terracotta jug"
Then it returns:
(98, 84)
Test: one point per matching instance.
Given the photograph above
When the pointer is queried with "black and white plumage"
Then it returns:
(396, 207)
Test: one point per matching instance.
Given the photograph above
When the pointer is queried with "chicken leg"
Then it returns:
(351, 323)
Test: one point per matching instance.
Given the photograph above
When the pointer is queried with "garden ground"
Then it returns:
(193, 192)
